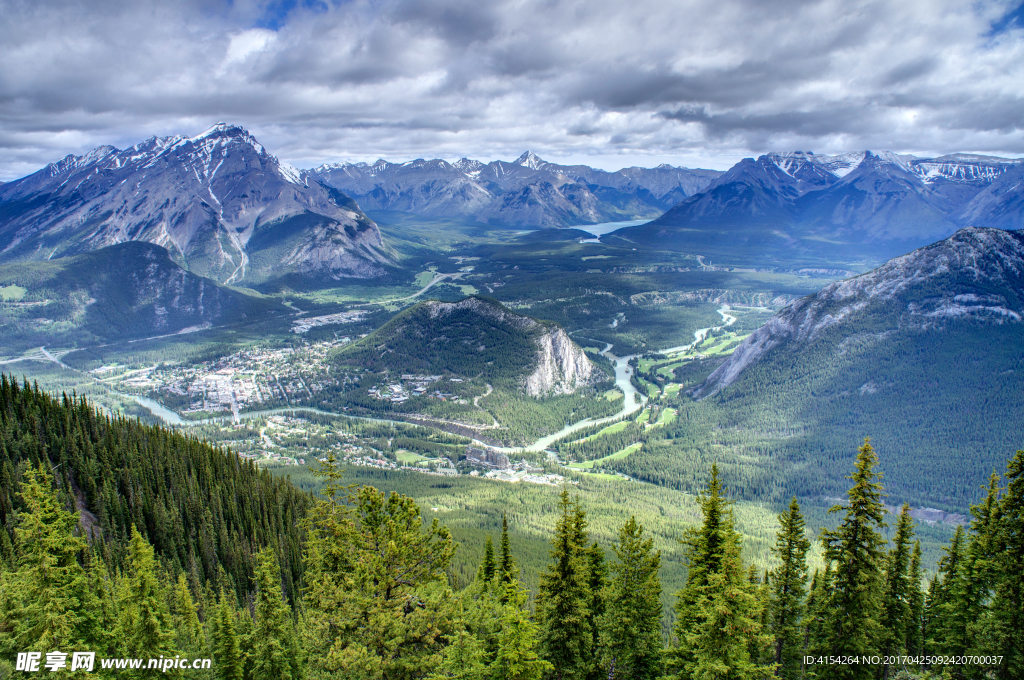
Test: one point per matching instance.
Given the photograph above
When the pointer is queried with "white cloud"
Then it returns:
(695, 82)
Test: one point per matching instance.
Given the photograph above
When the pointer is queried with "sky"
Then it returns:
(608, 83)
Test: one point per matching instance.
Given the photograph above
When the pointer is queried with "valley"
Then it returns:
(587, 351)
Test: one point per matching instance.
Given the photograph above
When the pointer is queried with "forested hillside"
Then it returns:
(376, 600)
(204, 510)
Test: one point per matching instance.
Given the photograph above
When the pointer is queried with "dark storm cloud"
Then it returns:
(704, 80)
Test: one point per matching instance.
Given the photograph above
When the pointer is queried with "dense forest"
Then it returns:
(106, 521)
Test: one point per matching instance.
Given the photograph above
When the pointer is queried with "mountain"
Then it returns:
(922, 354)
(477, 337)
(128, 290)
(219, 202)
(855, 206)
(526, 192)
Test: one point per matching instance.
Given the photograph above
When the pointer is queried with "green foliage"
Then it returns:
(788, 591)
(718, 610)
(273, 656)
(564, 601)
(630, 644)
(42, 600)
(377, 603)
(856, 548)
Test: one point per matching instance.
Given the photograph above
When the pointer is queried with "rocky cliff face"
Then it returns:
(976, 274)
(562, 367)
(214, 201)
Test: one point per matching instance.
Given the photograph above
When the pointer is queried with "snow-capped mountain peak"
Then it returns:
(531, 160)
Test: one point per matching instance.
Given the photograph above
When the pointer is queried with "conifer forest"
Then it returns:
(133, 541)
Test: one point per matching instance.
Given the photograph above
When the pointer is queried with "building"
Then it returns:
(487, 458)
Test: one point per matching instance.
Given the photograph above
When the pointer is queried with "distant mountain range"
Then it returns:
(922, 354)
(218, 202)
(857, 205)
(528, 192)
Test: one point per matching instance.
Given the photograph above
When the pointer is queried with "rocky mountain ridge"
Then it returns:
(219, 202)
(527, 192)
(871, 205)
(975, 275)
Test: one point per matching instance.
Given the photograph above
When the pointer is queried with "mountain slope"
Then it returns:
(123, 291)
(526, 192)
(222, 205)
(922, 354)
(854, 206)
(476, 337)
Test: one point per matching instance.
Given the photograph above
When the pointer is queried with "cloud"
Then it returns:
(702, 81)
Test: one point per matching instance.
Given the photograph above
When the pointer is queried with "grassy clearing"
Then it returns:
(672, 390)
(12, 293)
(423, 279)
(613, 395)
(618, 455)
(644, 416)
(408, 457)
(667, 417)
(468, 290)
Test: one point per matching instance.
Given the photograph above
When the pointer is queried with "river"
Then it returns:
(622, 381)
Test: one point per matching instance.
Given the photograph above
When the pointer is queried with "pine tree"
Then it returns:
(631, 626)
(506, 565)
(378, 603)
(1008, 603)
(189, 632)
(915, 628)
(563, 603)
(856, 549)
(486, 571)
(145, 628)
(272, 653)
(464, 658)
(230, 662)
(598, 582)
(517, 657)
(948, 623)
(896, 602)
(48, 588)
(729, 625)
(718, 610)
(788, 584)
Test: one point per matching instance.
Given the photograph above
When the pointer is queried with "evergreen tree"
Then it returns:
(272, 654)
(506, 565)
(486, 571)
(856, 549)
(1008, 603)
(631, 626)
(718, 610)
(915, 628)
(816, 638)
(517, 657)
(464, 658)
(43, 609)
(788, 584)
(597, 585)
(896, 617)
(378, 603)
(145, 628)
(189, 640)
(730, 624)
(230, 662)
(949, 624)
(563, 603)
